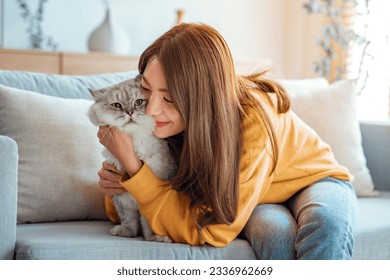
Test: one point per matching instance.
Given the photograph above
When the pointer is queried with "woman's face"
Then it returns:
(168, 120)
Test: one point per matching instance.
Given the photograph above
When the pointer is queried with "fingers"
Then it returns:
(110, 188)
(109, 175)
(109, 183)
(109, 172)
(109, 178)
(103, 130)
(111, 167)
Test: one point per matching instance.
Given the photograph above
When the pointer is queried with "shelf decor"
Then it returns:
(109, 36)
(37, 38)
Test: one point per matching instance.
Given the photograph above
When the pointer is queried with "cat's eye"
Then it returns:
(116, 105)
(138, 102)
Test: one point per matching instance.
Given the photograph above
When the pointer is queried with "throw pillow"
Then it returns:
(61, 85)
(59, 156)
(331, 112)
(297, 85)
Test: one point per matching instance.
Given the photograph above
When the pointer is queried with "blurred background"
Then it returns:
(302, 38)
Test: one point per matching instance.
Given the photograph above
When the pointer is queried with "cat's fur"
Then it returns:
(115, 106)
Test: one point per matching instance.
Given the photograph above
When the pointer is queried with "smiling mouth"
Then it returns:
(160, 124)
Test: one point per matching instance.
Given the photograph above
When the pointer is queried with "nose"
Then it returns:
(129, 112)
(153, 108)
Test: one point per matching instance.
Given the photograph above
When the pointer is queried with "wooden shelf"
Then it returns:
(65, 63)
(68, 63)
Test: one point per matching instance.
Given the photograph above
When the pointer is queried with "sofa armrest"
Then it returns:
(375, 138)
(8, 196)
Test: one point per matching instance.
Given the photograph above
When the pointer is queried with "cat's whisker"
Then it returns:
(113, 124)
(105, 133)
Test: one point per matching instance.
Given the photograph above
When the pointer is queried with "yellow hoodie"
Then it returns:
(303, 159)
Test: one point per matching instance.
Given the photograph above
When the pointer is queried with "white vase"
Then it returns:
(109, 37)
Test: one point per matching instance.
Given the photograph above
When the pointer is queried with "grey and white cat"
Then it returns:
(123, 106)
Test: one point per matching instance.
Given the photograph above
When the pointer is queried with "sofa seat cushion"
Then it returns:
(90, 240)
(373, 228)
(80, 240)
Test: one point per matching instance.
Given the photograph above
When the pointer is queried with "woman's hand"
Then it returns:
(109, 178)
(121, 147)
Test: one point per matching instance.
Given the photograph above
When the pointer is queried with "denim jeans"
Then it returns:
(315, 224)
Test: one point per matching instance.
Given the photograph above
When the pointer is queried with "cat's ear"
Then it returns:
(95, 93)
(138, 78)
(91, 91)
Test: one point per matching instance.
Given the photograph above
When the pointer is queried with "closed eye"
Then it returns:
(144, 90)
(167, 100)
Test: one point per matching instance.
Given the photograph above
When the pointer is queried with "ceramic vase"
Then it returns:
(109, 37)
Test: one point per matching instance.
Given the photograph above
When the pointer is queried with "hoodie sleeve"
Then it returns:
(167, 210)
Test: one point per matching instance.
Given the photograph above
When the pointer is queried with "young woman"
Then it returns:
(246, 162)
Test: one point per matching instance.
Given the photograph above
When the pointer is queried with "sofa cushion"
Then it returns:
(372, 232)
(59, 156)
(61, 85)
(8, 195)
(90, 240)
(298, 85)
(331, 112)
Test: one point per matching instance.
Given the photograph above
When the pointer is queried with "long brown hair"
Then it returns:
(200, 77)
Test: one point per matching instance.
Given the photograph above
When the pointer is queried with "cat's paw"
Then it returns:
(120, 230)
(158, 238)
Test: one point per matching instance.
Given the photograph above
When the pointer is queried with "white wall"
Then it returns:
(1, 23)
(254, 29)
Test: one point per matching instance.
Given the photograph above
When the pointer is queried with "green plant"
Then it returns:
(34, 29)
(337, 35)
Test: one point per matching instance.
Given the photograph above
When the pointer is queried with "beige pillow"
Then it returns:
(59, 156)
(298, 85)
(331, 112)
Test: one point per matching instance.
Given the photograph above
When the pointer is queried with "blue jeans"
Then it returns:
(315, 224)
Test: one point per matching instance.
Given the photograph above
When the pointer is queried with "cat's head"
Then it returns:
(121, 105)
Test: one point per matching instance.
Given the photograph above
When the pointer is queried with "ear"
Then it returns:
(91, 91)
(138, 78)
(96, 94)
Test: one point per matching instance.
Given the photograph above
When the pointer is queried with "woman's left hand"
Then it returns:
(109, 178)
(121, 147)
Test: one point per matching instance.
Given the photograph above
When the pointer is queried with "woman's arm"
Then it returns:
(168, 213)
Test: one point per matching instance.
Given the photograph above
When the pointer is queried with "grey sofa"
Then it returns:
(88, 238)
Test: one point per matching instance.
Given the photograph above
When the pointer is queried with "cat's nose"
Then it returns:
(129, 112)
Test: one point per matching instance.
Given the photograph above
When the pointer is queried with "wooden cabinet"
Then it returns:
(47, 62)
(65, 63)
(90, 63)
